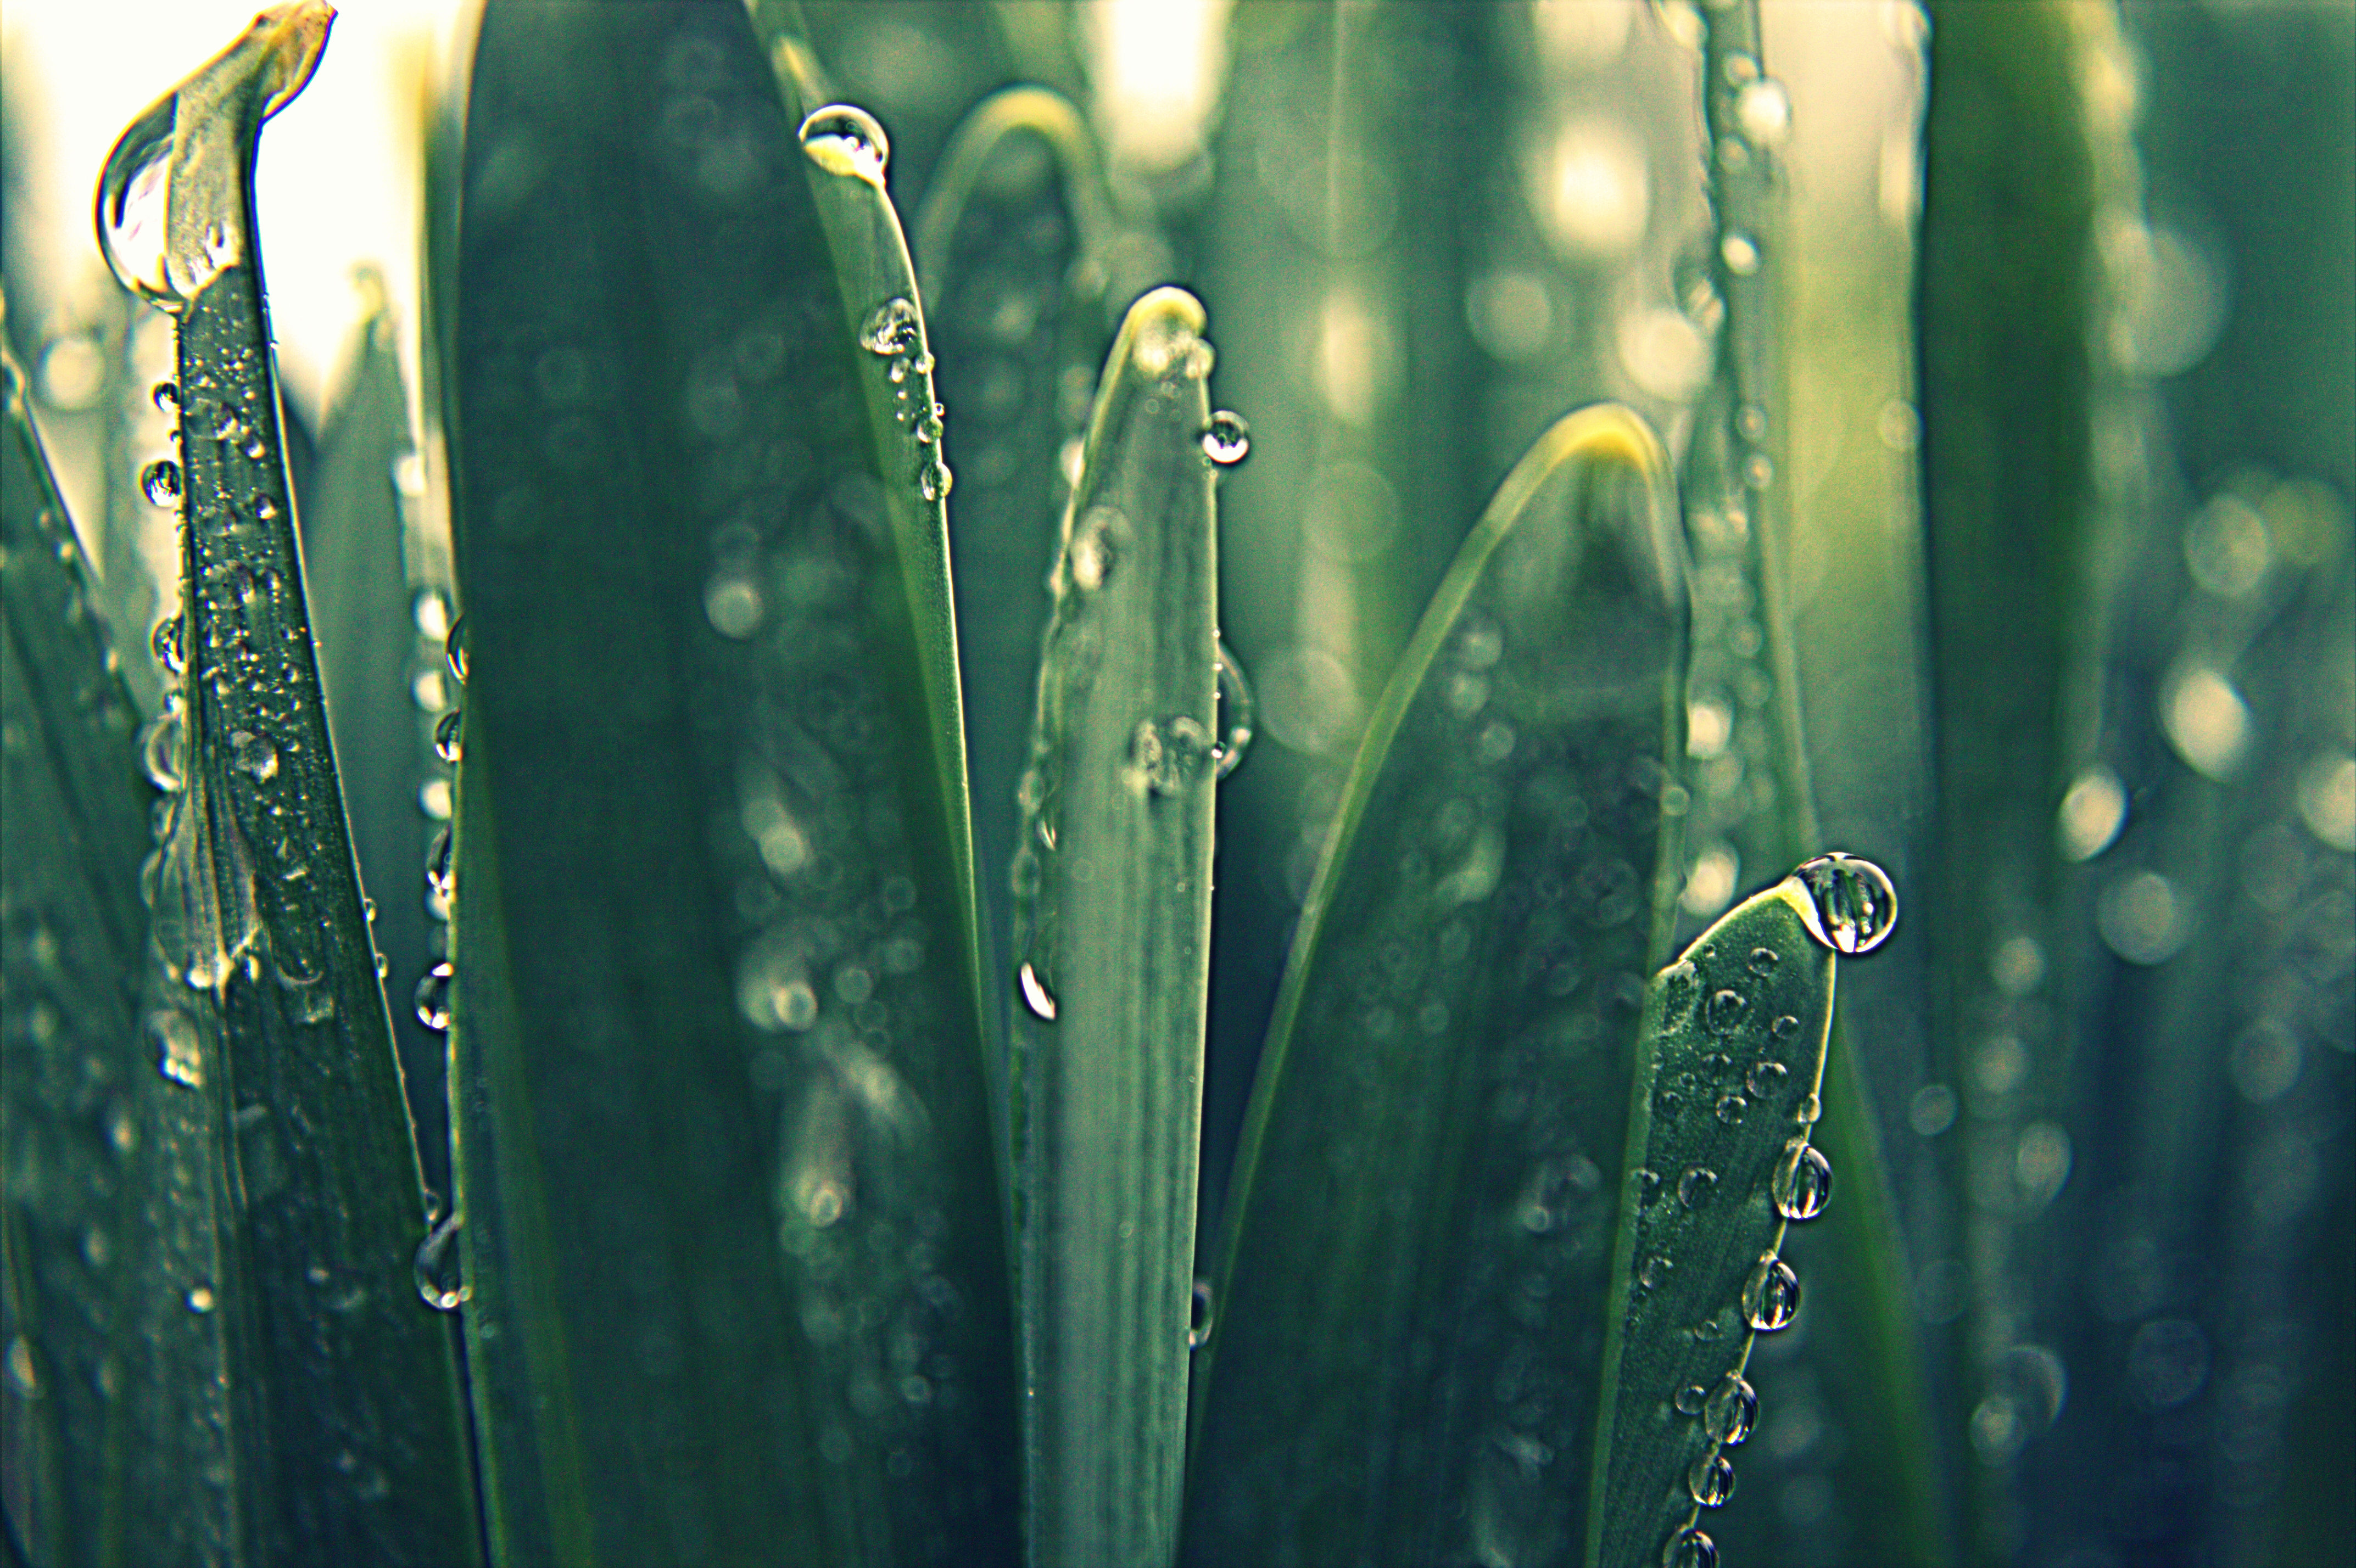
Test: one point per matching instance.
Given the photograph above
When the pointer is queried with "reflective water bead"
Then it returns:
(1770, 1295)
(1694, 1186)
(1655, 1268)
(891, 330)
(1237, 711)
(1785, 1028)
(1726, 1010)
(1692, 1399)
(447, 744)
(1036, 995)
(1803, 1180)
(179, 1052)
(1764, 1079)
(1731, 1411)
(1712, 1480)
(1227, 441)
(253, 755)
(166, 398)
(1730, 1108)
(844, 139)
(1763, 960)
(161, 482)
(1689, 1548)
(454, 649)
(1811, 1107)
(432, 998)
(1740, 253)
(933, 479)
(1850, 906)
(166, 643)
(439, 874)
(1763, 110)
(161, 751)
(1198, 1326)
(437, 1268)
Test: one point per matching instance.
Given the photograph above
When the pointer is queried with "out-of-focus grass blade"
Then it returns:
(731, 1229)
(1410, 1311)
(1727, 1094)
(286, 1182)
(1014, 299)
(1112, 936)
(360, 580)
(73, 830)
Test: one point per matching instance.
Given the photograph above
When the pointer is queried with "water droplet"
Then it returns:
(2207, 721)
(1803, 1181)
(891, 329)
(1758, 470)
(1694, 1186)
(1689, 1548)
(161, 480)
(1763, 110)
(1691, 1399)
(1770, 1295)
(254, 755)
(431, 614)
(439, 875)
(160, 751)
(1090, 556)
(1811, 1107)
(1730, 1108)
(166, 397)
(131, 190)
(1198, 1327)
(1764, 961)
(1656, 1267)
(437, 1267)
(1036, 995)
(933, 479)
(166, 643)
(1228, 440)
(1726, 1010)
(1237, 711)
(454, 649)
(1644, 1184)
(448, 744)
(1741, 254)
(1785, 1028)
(432, 998)
(1732, 1410)
(200, 1299)
(179, 1052)
(1850, 905)
(1712, 1480)
(844, 139)
(1764, 1079)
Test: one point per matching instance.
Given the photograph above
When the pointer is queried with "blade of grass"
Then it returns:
(1727, 1095)
(1413, 1292)
(1112, 933)
(73, 830)
(285, 1122)
(1007, 245)
(732, 1226)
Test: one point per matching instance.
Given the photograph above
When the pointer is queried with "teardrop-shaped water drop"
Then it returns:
(437, 1267)
(1712, 1480)
(1198, 1326)
(438, 872)
(161, 482)
(131, 189)
(1238, 712)
(844, 139)
(1731, 1411)
(1811, 1107)
(161, 750)
(166, 643)
(1689, 1548)
(1036, 995)
(1227, 441)
(1850, 905)
(432, 998)
(166, 398)
(933, 479)
(446, 732)
(891, 329)
(1770, 1295)
(1803, 1182)
(454, 649)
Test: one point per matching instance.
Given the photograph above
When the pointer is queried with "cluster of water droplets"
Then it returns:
(430, 999)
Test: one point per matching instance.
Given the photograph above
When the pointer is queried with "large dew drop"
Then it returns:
(432, 998)
(1850, 905)
(891, 329)
(1771, 1296)
(1227, 441)
(1689, 1548)
(1712, 1480)
(844, 139)
(1803, 1180)
(1731, 1410)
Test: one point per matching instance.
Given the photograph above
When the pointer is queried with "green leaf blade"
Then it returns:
(1112, 933)
(1412, 1293)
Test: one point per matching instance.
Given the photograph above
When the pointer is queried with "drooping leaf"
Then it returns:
(1410, 1308)
(290, 1399)
(732, 1224)
(1112, 930)
(74, 821)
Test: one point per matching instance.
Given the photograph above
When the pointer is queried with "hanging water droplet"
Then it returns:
(166, 643)
(161, 481)
(1689, 1548)
(1733, 1410)
(1763, 960)
(844, 139)
(933, 479)
(1850, 905)
(1803, 1181)
(891, 329)
(432, 998)
(438, 873)
(161, 750)
(1812, 1106)
(454, 649)
(179, 1052)
(1730, 1108)
(1692, 1399)
(1227, 441)
(131, 220)
(1726, 1010)
(253, 755)
(1036, 995)
(1770, 1295)
(1741, 254)
(166, 398)
(1712, 1480)
(1198, 1327)
(1694, 1184)
(447, 744)
(437, 1267)
(1766, 1079)
(1237, 711)
(201, 1299)
(1763, 110)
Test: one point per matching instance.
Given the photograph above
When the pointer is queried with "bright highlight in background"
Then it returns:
(1157, 65)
